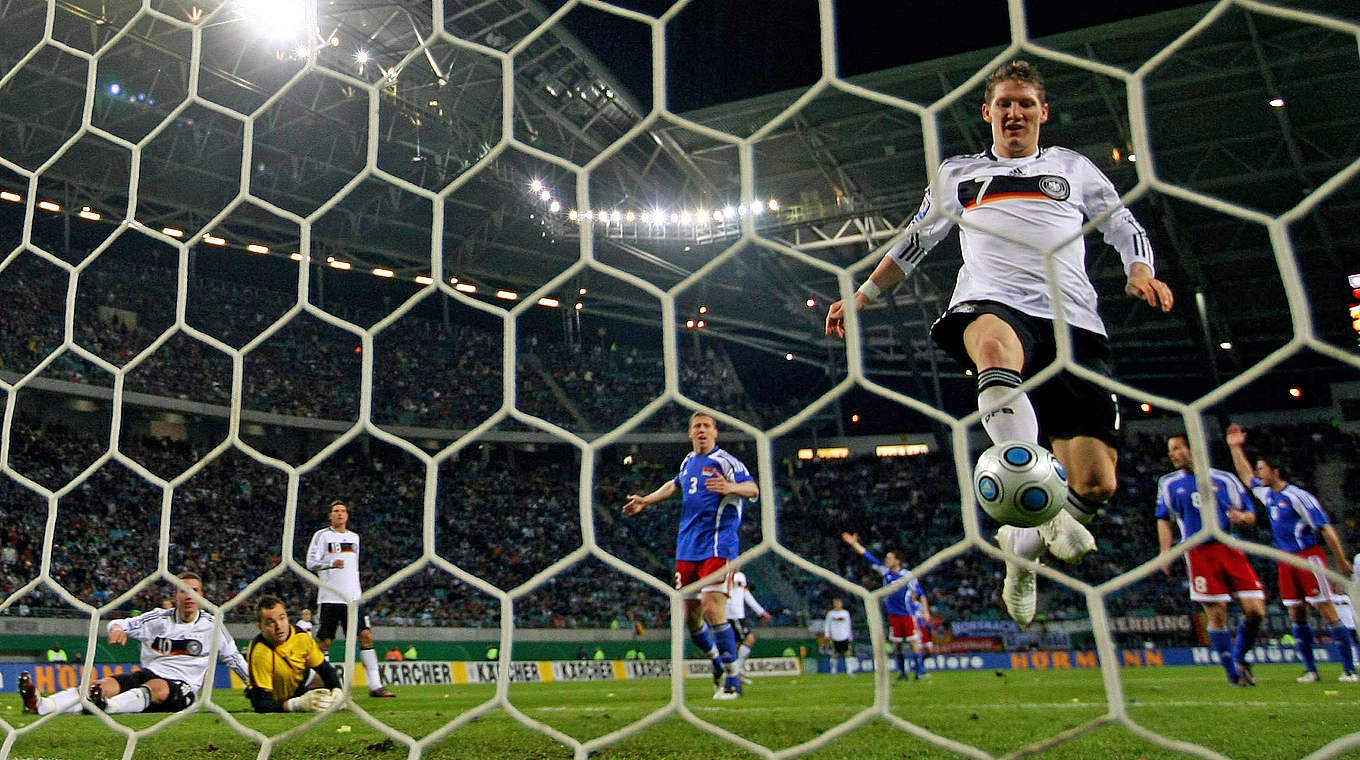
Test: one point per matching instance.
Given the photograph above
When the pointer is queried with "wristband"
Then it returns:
(870, 291)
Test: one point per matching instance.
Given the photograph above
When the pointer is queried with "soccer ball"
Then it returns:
(1020, 483)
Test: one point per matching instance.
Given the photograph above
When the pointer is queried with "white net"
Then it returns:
(409, 381)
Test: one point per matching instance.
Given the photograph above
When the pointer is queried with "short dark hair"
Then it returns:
(340, 502)
(1020, 71)
(1276, 461)
(190, 575)
(267, 602)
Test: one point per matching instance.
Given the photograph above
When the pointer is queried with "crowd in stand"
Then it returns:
(426, 373)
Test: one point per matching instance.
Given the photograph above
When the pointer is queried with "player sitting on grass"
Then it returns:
(175, 647)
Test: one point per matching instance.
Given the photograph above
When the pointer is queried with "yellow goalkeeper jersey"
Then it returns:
(282, 670)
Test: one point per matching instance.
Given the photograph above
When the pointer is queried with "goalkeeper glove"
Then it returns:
(313, 701)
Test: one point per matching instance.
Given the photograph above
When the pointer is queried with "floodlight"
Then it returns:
(278, 19)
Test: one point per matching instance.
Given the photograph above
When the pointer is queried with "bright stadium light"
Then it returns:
(278, 19)
(555, 207)
(86, 213)
(551, 303)
(173, 232)
(383, 272)
(424, 279)
(465, 287)
(1277, 102)
(536, 186)
(52, 206)
(212, 239)
(361, 56)
(11, 196)
(263, 250)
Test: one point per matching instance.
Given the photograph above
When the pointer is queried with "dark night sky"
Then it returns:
(724, 50)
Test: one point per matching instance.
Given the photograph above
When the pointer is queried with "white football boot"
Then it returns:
(1067, 539)
(1019, 590)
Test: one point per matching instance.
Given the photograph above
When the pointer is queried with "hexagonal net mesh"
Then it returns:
(250, 195)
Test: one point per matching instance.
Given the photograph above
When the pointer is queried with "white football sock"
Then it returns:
(370, 659)
(134, 701)
(1005, 415)
(743, 652)
(64, 701)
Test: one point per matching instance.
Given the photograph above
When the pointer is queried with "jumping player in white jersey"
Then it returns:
(714, 486)
(737, 601)
(175, 648)
(1016, 201)
(334, 556)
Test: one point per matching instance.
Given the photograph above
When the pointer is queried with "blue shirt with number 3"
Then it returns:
(709, 521)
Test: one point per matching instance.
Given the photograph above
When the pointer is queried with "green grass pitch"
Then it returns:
(995, 712)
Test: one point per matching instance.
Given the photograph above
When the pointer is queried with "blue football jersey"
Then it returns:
(709, 521)
(1178, 499)
(899, 602)
(1296, 517)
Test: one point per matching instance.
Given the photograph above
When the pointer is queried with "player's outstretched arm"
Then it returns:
(637, 502)
(1144, 286)
(117, 635)
(1236, 438)
(884, 277)
(853, 540)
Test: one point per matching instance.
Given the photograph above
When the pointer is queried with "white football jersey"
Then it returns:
(740, 598)
(303, 625)
(1013, 210)
(178, 651)
(326, 547)
(838, 625)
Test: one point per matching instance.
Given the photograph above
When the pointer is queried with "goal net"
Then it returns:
(440, 260)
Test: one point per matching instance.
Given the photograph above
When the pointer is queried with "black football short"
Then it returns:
(1066, 405)
(333, 616)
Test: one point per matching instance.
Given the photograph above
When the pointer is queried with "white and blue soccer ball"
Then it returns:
(1020, 484)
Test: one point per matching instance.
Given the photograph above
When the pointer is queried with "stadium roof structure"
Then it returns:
(846, 170)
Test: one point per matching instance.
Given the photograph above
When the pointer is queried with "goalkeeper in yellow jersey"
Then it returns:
(280, 659)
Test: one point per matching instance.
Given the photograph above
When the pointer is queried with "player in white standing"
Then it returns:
(1301, 528)
(1015, 201)
(839, 630)
(334, 556)
(175, 647)
(737, 601)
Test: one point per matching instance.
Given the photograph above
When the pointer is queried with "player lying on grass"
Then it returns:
(281, 658)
